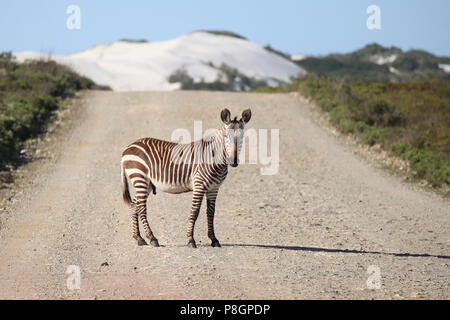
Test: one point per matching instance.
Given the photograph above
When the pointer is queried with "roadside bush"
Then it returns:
(29, 93)
(426, 165)
(410, 119)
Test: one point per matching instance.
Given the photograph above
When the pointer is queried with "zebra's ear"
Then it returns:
(246, 115)
(225, 115)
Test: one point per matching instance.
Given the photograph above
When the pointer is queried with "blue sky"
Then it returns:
(293, 26)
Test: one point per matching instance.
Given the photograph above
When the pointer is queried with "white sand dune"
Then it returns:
(383, 59)
(445, 67)
(130, 66)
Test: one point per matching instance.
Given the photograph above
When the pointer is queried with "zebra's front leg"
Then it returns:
(211, 207)
(197, 198)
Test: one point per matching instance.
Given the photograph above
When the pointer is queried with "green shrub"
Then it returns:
(372, 135)
(426, 165)
(29, 93)
(410, 119)
(225, 33)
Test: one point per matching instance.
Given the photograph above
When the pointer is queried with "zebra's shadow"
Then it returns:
(331, 250)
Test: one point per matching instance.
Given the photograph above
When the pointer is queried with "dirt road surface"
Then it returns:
(328, 225)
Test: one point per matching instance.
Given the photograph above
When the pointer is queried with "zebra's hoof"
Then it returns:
(154, 243)
(192, 245)
(141, 242)
(216, 244)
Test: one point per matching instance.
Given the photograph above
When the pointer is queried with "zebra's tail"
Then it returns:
(125, 190)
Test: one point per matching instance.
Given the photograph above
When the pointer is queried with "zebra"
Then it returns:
(200, 166)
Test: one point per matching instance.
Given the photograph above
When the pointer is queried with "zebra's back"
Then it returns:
(163, 164)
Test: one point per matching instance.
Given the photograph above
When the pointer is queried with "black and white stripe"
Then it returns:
(201, 167)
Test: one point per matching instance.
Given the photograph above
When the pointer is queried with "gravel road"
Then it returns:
(312, 231)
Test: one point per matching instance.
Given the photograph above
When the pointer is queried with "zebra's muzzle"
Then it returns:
(232, 161)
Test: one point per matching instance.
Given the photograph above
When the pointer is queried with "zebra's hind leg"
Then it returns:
(135, 225)
(142, 188)
(142, 213)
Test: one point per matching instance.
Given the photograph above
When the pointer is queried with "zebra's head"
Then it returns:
(234, 134)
